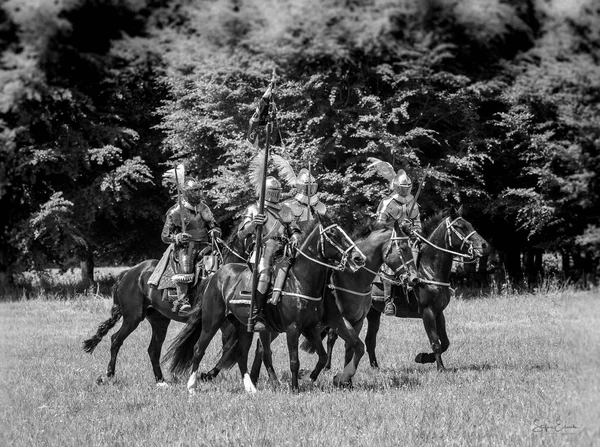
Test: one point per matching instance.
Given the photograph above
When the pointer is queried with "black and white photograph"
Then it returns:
(299, 223)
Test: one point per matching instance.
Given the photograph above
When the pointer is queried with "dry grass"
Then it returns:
(521, 370)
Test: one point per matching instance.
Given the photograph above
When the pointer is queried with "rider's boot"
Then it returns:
(258, 316)
(182, 303)
(390, 307)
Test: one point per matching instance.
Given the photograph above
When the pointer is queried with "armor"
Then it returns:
(273, 190)
(401, 183)
(279, 226)
(192, 191)
(396, 208)
(199, 222)
(306, 184)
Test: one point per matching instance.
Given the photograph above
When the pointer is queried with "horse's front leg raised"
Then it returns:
(429, 321)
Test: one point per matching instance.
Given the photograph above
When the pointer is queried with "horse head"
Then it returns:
(462, 237)
(335, 245)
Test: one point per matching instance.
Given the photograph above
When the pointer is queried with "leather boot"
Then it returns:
(258, 316)
(390, 307)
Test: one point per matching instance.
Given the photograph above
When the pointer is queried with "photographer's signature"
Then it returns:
(540, 426)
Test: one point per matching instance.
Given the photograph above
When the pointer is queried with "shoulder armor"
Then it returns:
(321, 208)
(295, 207)
(286, 214)
(205, 212)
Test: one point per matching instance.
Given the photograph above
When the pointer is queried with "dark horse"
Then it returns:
(348, 296)
(134, 300)
(446, 235)
(299, 311)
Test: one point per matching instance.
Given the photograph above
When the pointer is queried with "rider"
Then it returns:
(397, 207)
(278, 227)
(306, 187)
(188, 226)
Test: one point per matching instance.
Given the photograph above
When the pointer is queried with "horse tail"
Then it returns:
(181, 351)
(115, 314)
(307, 346)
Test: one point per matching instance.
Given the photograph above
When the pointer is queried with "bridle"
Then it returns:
(451, 230)
(323, 236)
(394, 239)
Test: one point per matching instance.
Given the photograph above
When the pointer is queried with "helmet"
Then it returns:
(401, 183)
(273, 191)
(305, 183)
(192, 191)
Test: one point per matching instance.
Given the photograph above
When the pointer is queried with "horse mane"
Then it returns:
(431, 223)
(311, 226)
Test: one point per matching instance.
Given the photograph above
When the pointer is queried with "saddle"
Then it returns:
(164, 273)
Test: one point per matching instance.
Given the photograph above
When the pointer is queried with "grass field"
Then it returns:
(523, 370)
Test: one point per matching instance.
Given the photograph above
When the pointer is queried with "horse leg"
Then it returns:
(374, 320)
(332, 336)
(259, 357)
(313, 335)
(127, 327)
(214, 372)
(159, 324)
(245, 341)
(209, 330)
(267, 355)
(355, 349)
(429, 321)
(441, 326)
(293, 338)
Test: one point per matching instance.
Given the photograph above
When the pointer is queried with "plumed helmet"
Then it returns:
(305, 183)
(401, 183)
(273, 190)
(192, 191)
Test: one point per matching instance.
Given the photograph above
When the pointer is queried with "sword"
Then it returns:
(412, 206)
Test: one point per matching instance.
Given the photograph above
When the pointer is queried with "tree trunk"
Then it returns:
(513, 265)
(87, 270)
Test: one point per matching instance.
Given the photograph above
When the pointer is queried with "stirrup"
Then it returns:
(390, 309)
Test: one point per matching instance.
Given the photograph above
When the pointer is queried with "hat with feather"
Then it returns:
(400, 182)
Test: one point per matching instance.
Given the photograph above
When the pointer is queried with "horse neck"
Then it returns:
(435, 264)
(372, 247)
(302, 265)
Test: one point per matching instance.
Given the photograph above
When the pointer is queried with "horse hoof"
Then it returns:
(424, 357)
(337, 381)
(248, 385)
(374, 365)
(162, 384)
(206, 377)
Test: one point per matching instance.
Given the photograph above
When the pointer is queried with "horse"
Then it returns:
(134, 300)
(299, 310)
(448, 234)
(347, 297)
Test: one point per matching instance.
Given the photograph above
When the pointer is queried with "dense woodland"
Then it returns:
(99, 97)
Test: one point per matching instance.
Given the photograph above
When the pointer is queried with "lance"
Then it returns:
(179, 198)
(261, 210)
(412, 206)
(308, 192)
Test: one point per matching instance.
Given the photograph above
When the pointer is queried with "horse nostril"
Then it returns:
(484, 246)
(358, 260)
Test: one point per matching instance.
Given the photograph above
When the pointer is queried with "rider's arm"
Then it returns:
(170, 228)
(247, 226)
(415, 217)
(383, 217)
(209, 220)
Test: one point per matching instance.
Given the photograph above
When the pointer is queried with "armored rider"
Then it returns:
(305, 205)
(188, 226)
(279, 227)
(397, 207)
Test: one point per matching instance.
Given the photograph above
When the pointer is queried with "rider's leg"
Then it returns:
(390, 308)
(184, 277)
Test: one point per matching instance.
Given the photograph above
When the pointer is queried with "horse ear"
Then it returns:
(460, 210)
(447, 211)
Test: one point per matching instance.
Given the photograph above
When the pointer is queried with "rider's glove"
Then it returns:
(294, 240)
(182, 238)
(215, 232)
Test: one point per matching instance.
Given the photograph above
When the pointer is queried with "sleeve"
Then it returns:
(382, 215)
(208, 218)
(293, 228)
(169, 229)
(246, 226)
(416, 218)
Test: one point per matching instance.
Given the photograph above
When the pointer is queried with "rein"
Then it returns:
(222, 242)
